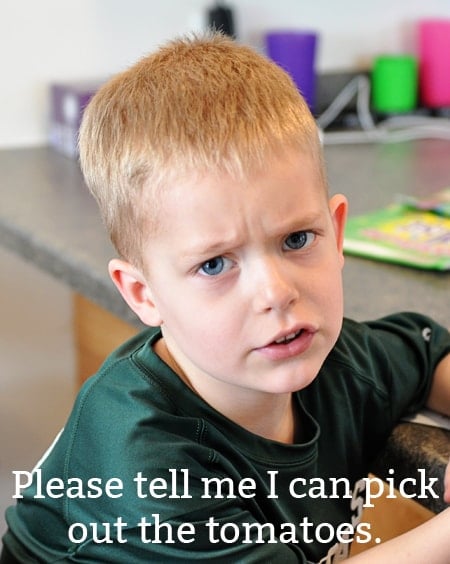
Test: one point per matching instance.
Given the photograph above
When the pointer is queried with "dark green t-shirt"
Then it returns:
(143, 459)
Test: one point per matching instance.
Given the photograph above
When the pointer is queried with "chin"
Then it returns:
(294, 382)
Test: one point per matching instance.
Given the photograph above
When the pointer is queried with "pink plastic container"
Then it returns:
(434, 62)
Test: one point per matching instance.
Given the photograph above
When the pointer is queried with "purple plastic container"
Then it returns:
(68, 100)
(295, 52)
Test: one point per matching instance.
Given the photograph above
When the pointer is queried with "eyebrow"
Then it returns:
(216, 248)
(210, 250)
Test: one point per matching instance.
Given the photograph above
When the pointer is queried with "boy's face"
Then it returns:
(245, 279)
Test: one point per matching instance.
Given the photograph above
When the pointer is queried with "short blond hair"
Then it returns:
(198, 104)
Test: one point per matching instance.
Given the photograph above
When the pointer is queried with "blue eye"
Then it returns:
(299, 240)
(214, 266)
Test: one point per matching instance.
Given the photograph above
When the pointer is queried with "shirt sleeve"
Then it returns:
(413, 345)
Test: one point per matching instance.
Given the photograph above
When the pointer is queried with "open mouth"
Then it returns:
(290, 345)
(289, 338)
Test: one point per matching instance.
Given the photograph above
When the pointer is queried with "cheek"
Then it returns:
(335, 304)
(201, 326)
(329, 290)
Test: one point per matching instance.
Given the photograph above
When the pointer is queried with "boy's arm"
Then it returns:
(439, 398)
(447, 485)
(429, 543)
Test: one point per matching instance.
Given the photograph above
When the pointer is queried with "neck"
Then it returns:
(271, 416)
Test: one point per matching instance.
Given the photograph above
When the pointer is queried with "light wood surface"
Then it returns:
(97, 333)
(390, 518)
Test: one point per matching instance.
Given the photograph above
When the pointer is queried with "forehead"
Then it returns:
(289, 185)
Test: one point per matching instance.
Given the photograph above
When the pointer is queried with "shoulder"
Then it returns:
(127, 415)
(393, 357)
(126, 423)
(387, 337)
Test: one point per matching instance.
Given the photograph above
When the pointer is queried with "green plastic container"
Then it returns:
(394, 84)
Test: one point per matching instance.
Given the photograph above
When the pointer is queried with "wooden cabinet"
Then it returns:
(390, 518)
(97, 333)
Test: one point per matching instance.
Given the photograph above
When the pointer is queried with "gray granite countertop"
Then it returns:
(48, 217)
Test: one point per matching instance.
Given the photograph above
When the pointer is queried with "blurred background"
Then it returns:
(46, 41)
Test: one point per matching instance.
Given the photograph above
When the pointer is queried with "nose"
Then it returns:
(274, 288)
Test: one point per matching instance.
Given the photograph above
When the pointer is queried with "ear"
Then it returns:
(135, 290)
(338, 209)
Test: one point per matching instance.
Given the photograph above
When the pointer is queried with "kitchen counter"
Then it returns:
(48, 217)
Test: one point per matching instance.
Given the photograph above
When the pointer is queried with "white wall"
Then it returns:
(58, 40)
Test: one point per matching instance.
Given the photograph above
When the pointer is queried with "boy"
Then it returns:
(203, 439)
